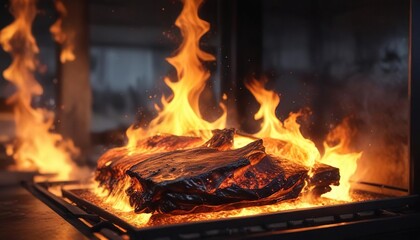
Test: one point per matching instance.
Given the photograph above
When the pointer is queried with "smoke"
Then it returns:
(377, 98)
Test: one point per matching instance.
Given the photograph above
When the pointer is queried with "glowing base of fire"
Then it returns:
(147, 220)
(118, 205)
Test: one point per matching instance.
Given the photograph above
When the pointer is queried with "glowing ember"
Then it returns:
(147, 220)
(65, 38)
(36, 147)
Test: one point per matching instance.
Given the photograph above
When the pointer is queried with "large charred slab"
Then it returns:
(265, 182)
(207, 177)
(192, 175)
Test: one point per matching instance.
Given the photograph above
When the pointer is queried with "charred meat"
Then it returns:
(209, 177)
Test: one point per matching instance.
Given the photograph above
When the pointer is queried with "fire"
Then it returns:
(180, 113)
(297, 147)
(63, 36)
(36, 147)
(339, 155)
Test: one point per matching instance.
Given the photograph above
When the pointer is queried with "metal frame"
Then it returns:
(414, 95)
(91, 225)
(239, 59)
(303, 222)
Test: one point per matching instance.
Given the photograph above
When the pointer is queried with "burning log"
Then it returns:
(210, 177)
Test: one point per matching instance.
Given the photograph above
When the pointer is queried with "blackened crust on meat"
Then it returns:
(195, 171)
(206, 179)
(323, 176)
(176, 177)
(114, 163)
(242, 192)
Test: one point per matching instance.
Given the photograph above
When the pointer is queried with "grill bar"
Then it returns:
(379, 227)
(88, 224)
(353, 220)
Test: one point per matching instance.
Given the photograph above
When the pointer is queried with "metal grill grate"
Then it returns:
(352, 220)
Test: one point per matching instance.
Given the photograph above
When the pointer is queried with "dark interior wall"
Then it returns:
(345, 58)
(326, 45)
(129, 43)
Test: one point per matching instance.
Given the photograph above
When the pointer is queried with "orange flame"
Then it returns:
(63, 36)
(288, 132)
(296, 147)
(340, 156)
(180, 114)
(36, 146)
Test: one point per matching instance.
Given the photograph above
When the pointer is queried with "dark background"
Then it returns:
(337, 58)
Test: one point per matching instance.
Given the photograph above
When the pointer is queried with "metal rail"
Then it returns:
(91, 225)
(414, 95)
(317, 219)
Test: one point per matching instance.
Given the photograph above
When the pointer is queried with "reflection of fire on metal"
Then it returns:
(36, 146)
(89, 211)
(177, 166)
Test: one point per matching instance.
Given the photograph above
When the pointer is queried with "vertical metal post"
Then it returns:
(414, 95)
(249, 55)
(74, 94)
(240, 25)
(226, 60)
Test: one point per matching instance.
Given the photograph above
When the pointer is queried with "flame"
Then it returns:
(180, 113)
(292, 145)
(295, 146)
(36, 146)
(63, 36)
(340, 156)
(119, 200)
